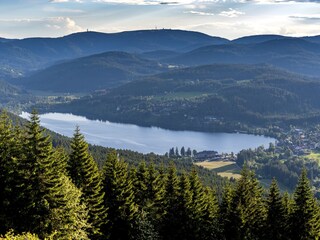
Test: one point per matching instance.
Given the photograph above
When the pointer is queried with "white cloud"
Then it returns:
(200, 13)
(62, 10)
(41, 26)
(231, 13)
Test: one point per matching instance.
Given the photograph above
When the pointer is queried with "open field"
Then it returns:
(214, 165)
(314, 156)
(225, 169)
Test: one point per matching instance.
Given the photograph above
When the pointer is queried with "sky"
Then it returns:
(224, 18)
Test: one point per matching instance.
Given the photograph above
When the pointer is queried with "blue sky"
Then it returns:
(224, 18)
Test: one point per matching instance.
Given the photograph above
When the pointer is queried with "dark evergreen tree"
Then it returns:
(210, 226)
(169, 219)
(287, 203)
(154, 194)
(10, 153)
(171, 153)
(177, 152)
(225, 212)
(84, 173)
(276, 215)
(305, 222)
(144, 229)
(119, 198)
(183, 152)
(141, 185)
(247, 211)
(188, 152)
(183, 213)
(198, 204)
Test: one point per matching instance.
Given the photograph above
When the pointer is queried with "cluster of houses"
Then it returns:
(213, 156)
(300, 141)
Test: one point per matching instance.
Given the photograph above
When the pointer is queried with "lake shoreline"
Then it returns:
(149, 139)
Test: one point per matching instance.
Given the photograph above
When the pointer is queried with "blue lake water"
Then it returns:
(148, 139)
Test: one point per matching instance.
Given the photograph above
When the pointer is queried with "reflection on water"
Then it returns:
(148, 139)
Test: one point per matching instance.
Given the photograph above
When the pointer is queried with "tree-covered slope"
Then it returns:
(212, 98)
(66, 191)
(257, 39)
(294, 54)
(25, 55)
(12, 96)
(110, 69)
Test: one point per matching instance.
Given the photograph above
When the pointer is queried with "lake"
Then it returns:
(148, 139)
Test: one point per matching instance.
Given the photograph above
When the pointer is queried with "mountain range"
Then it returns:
(21, 57)
(25, 55)
(159, 77)
(294, 54)
(110, 69)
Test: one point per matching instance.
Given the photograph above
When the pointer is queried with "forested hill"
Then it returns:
(25, 55)
(48, 193)
(294, 54)
(257, 39)
(19, 57)
(11, 96)
(211, 98)
(101, 71)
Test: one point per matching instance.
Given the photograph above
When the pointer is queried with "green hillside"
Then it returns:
(11, 96)
(110, 69)
(211, 98)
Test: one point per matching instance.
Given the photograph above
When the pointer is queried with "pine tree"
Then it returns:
(171, 152)
(84, 173)
(199, 203)
(73, 225)
(168, 221)
(183, 152)
(119, 198)
(247, 211)
(188, 152)
(225, 217)
(177, 152)
(287, 203)
(154, 194)
(304, 220)
(45, 206)
(276, 216)
(210, 226)
(141, 185)
(183, 214)
(10, 152)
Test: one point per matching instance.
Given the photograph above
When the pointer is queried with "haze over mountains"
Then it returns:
(22, 57)
(25, 55)
(46, 63)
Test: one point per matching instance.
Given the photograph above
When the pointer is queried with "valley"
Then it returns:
(159, 120)
(172, 88)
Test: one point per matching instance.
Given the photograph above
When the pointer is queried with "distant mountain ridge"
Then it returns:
(35, 53)
(22, 56)
(294, 54)
(100, 71)
(257, 39)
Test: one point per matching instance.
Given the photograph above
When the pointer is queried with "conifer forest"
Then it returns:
(51, 192)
